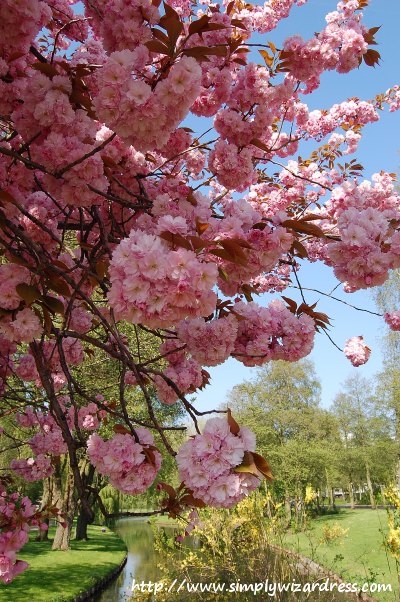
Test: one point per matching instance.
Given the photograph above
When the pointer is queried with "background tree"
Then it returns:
(281, 404)
(365, 435)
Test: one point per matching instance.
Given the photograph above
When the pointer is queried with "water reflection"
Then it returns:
(142, 559)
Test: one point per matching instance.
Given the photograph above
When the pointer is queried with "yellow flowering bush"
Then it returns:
(392, 543)
(227, 546)
(333, 533)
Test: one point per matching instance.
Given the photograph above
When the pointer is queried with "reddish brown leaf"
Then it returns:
(28, 292)
(6, 197)
(292, 304)
(248, 465)
(176, 239)
(304, 227)
(263, 466)
(157, 46)
(238, 23)
(167, 488)
(233, 425)
(223, 274)
(197, 26)
(260, 145)
(121, 429)
(201, 227)
(371, 57)
(53, 304)
(204, 51)
(300, 249)
(161, 36)
(59, 286)
(47, 321)
(46, 68)
(227, 256)
(101, 268)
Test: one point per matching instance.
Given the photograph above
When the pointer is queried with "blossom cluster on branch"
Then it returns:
(116, 215)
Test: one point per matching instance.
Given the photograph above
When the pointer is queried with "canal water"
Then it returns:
(141, 562)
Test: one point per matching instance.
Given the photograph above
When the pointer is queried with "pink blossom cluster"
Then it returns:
(26, 369)
(157, 286)
(267, 246)
(317, 123)
(73, 27)
(393, 98)
(393, 319)
(72, 350)
(357, 351)
(183, 371)
(233, 166)
(121, 24)
(33, 469)
(81, 320)
(17, 326)
(339, 46)
(272, 333)
(49, 437)
(265, 17)
(17, 515)
(74, 189)
(368, 246)
(23, 328)
(144, 117)
(123, 460)
(11, 275)
(89, 417)
(209, 342)
(43, 103)
(40, 210)
(19, 24)
(207, 464)
(46, 104)
(101, 187)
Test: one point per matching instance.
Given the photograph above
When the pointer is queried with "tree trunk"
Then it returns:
(81, 526)
(383, 495)
(351, 494)
(46, 497)
(329, 490)
(83, 518)
(369, 485)
(62, 537)
(288, 510)
(397, 473)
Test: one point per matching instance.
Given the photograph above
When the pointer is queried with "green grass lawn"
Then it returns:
(357, 557)
(60, 576)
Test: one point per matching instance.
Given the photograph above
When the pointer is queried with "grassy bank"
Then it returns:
(359, 556)
(61, 576)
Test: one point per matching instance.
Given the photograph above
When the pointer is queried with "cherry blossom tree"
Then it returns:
(113, 212)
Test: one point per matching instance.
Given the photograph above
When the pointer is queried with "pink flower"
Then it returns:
(357, 351)
(123, 460)
(393, 319)
(206, 464)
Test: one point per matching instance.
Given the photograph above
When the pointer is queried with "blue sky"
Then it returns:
(377, 150)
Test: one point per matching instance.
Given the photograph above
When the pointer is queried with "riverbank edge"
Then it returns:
(307, 566)
(100, 585)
